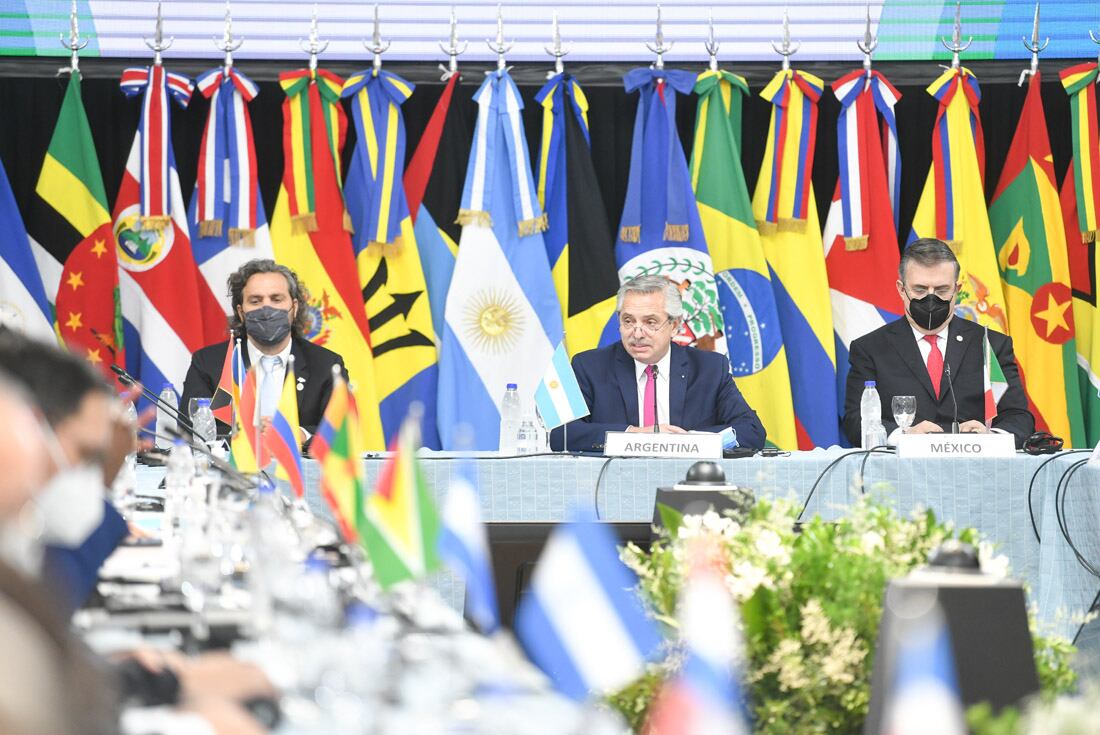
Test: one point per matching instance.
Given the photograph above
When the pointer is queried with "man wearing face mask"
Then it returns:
(933, 356)
(269, 313)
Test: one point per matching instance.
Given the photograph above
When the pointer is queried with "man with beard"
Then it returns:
(269, 316)
(933, 356)
(645, 382)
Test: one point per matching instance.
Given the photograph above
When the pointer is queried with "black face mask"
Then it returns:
(267, 325)
(929, 312)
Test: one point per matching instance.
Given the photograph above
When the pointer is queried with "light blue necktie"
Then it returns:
(271, 387)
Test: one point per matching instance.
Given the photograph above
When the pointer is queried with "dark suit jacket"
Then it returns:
(312, 368)
(890, 356)
(701, 397)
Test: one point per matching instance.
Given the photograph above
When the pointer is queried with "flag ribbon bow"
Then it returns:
(860, 97)
(552, 97)
(655, 128)
(710, 91)
(789, 157)
(944, 140)
(155, 134)
(312, 109)
(1080, 84)
(227, 158)
(380, 155)
(499, 106)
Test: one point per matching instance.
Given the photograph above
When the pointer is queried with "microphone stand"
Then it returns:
(130, 380)
(954, 403)
(240, 481)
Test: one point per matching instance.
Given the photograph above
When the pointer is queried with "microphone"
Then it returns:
(237, 479)
(128, 379)
(656, 418)
(954, 403)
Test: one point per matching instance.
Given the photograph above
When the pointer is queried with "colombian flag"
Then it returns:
(401, 525)
(1027, 226)
(281, 438)
(786, 216)
(753, 336)
(952, 207)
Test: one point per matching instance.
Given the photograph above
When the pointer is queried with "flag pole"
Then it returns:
(73, 43)
(227, 44)
(453, 51)
(1034, 47)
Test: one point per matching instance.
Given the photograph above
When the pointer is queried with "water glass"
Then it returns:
(905, 410)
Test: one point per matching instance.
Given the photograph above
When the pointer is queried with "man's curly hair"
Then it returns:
(240, 277)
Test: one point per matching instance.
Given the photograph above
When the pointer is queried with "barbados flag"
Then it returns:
(337, 449)
(281, 439)
(503, 318)
(387, 253)
(578, 236)
(786, 217)
(660, 233)
(400, 523)
(952, 206)
(749, 314)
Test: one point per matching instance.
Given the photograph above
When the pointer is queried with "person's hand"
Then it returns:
(123, 440)
(972, 427)
(224, 717)
(663, 428)
(219, 675)
(925, 427)
(671, 429)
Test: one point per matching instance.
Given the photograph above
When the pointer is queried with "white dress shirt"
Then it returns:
(925, 350)
(254, 357)
(662, 388)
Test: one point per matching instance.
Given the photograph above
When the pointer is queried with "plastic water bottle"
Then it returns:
(165, 419)
(272, 553)
(177, 485)
(509, 420)
(870, 414)
(206, 430)
(122, 490)
(528, 435)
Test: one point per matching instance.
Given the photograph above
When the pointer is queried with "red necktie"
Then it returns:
(648, 397)
(935, 363)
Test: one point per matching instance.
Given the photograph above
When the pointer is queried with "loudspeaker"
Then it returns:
(515, 548)
(990, 640)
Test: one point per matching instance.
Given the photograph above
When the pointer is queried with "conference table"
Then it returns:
(991, 495)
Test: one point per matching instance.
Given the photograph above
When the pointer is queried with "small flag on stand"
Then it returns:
(337, 448)
(581, 622)
(464, 547)
(995, 383)
(282, 438)
(558, 395)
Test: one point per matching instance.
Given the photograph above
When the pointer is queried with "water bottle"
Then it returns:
(509, 420)
(122, 489)
(165, 420)
(271, 553)
(527, 436)
(177, 485)
(870, 414)
(206, 430)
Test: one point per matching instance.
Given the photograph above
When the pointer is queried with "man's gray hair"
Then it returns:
(674, 305)
(927, 251)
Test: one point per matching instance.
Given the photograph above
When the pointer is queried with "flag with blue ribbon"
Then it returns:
(559, 397)
(660, 232)
(464, 546)
(581, 621)
(502, 315)
(226, 211)
(388, 259)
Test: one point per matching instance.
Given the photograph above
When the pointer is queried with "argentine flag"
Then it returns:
(464, 546)
(558, 397)
(502, 317)
(580, 621)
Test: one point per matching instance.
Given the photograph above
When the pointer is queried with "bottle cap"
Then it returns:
(203, 402)
(167, 386)
(868, 384)
(511, 386)
(317, 564)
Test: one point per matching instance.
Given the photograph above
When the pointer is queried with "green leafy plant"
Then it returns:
(810, 603)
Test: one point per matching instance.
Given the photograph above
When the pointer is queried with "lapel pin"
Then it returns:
(301, 386)
(958, 338)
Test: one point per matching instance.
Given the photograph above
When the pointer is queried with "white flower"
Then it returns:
(709, 523)
(870, 542)
(992, 564)
(744, 578)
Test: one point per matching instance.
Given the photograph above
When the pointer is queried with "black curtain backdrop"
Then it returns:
(31, 94)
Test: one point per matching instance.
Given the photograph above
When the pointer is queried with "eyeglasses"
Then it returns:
(648, 326)
(943, 292)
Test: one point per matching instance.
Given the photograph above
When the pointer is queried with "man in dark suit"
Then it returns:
(690, 390)
(268, 313)
(935, 357)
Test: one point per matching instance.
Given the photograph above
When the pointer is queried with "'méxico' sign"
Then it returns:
(956, 445)
(631, 444)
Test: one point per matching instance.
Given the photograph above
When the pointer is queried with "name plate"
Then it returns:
(956, 445)
(693, 446)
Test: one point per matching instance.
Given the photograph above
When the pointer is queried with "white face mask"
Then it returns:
(70, 507)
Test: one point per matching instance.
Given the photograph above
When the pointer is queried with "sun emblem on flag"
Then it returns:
(493, 321)
(554, 385)
(138, 249)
